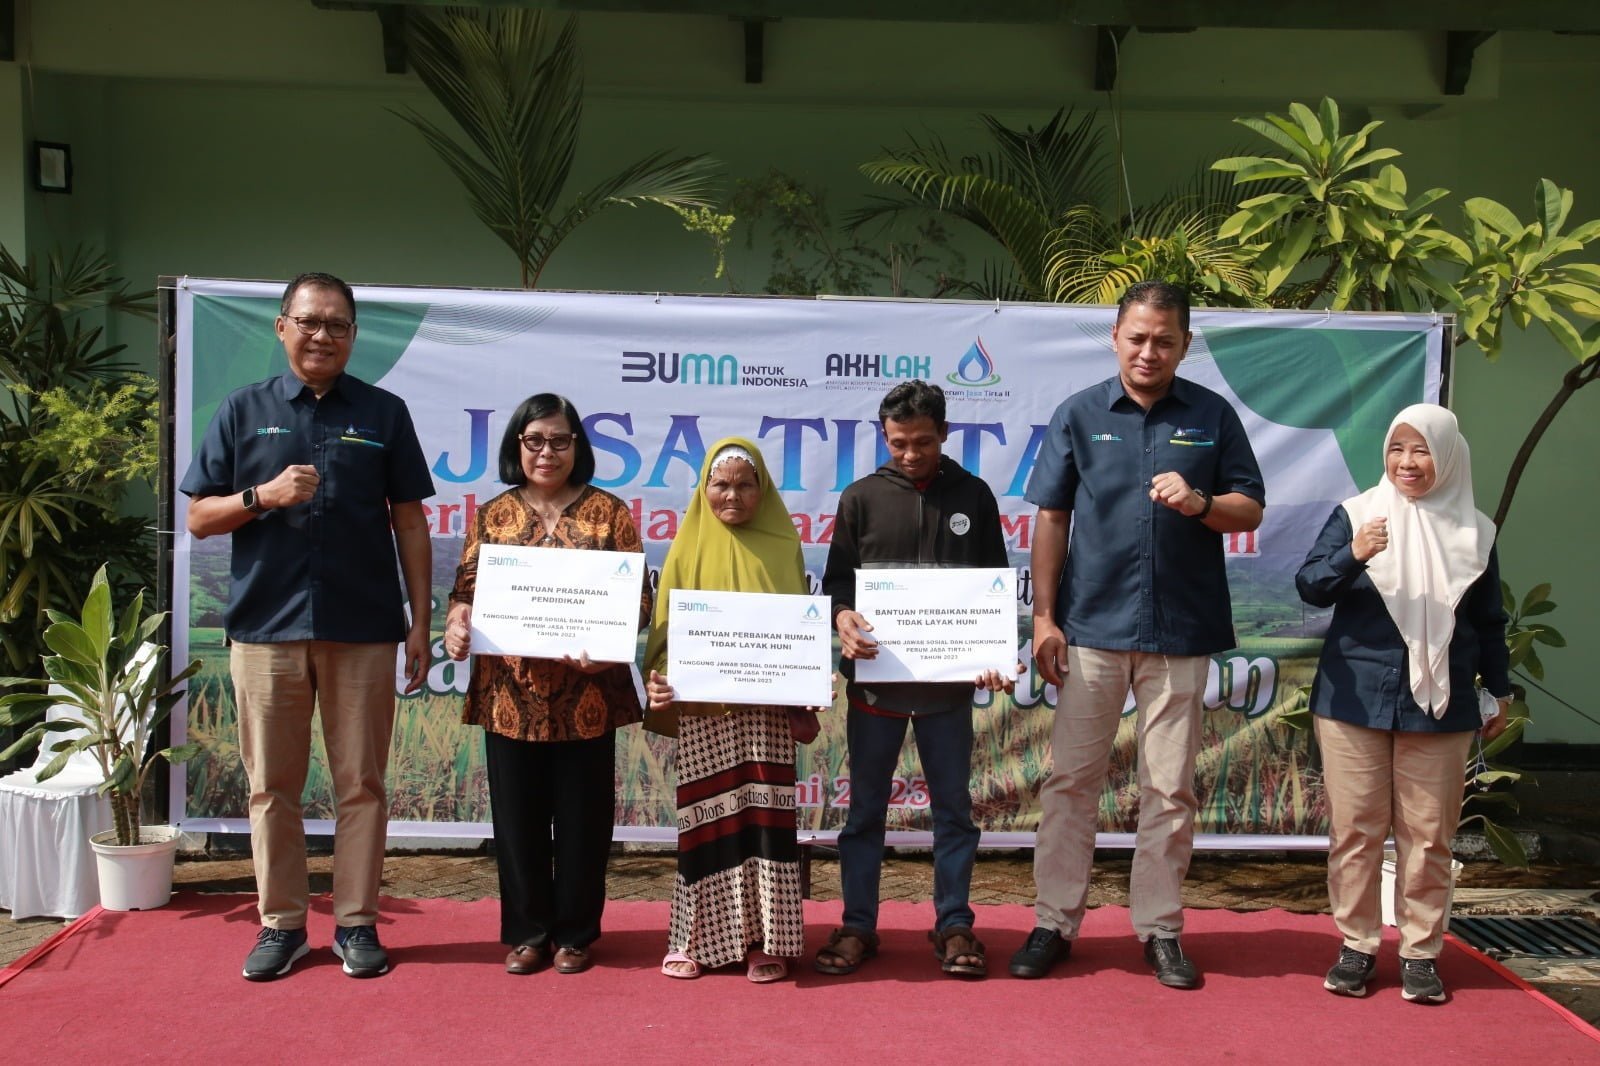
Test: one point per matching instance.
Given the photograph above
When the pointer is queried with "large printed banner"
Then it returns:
(658, 378)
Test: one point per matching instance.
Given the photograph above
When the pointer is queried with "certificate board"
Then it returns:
(545, 603)
(750, 647)
(945, 624)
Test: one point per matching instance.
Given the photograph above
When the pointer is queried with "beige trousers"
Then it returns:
(277, 687)
(1377, 780)
(1168, 690)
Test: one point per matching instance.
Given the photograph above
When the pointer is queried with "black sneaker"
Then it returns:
(276, 950)
(1419, 981)
(358, 946)
(1171, 967)
(1043, 949)
(1350, 974)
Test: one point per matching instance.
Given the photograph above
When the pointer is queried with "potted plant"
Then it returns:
(109, 698)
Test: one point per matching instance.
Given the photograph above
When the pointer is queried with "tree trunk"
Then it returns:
(1571, 382)
(125, 812)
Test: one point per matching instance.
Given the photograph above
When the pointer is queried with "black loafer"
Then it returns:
(1171, 967)
(1042, 950)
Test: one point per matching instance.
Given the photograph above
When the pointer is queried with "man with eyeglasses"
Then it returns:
(319, 477)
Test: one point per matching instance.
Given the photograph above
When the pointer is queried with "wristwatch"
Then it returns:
(251, 503)
(1204, 510)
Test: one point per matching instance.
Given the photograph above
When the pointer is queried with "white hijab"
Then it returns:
(1438, 546)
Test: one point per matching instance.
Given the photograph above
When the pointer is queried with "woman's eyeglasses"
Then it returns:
(558, 442)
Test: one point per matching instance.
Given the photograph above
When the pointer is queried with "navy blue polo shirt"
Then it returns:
(1140, 576)
(325, 569)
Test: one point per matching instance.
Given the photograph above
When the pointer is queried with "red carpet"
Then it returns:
(165, 986)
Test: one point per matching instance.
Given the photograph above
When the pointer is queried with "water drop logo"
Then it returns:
(812, 614)
(625, 570)
(976, 368)
(999, 584)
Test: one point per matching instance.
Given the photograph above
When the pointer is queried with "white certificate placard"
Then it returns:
(750, 647)
(938, 624)
(548, 602)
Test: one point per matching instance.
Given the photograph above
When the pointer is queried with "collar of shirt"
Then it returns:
(1115, 394)
(291, 387)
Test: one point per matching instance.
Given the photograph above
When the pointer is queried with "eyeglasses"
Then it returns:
(558, 442)
(337, 328)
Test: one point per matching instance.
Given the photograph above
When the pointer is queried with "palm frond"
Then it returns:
(510, 79)
(1058, 166)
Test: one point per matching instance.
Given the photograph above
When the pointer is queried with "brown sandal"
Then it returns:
(952, 945)
(837, 957)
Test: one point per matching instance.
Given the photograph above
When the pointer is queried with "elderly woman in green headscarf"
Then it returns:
(737, 896)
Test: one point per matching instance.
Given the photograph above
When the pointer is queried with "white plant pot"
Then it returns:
(136, 877)
(1387, 891)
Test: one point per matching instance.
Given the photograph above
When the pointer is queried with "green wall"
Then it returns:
(256, 142)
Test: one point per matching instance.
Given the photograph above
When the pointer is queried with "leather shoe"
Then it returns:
(1171, 967)
(1042, 950)
(573, 960)
(528, 958)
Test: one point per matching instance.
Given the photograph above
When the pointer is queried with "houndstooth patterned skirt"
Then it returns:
(738, 885)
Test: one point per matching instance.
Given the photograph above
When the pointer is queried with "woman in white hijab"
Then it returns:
(1413, 664)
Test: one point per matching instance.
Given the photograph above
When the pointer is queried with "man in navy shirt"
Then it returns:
(1147, 471)
(319, 478)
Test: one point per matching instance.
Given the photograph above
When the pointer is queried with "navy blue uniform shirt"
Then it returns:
(1140, 576)
(1364, 675)
(324, 569)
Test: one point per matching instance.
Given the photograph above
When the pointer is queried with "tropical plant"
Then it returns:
(107, 678)
(1020, 193)
(79, 429)
(1376, 249)
(1526, 271)
(1384, 252)
(511, 80)
(1489, 782)
(1093, 259)
(809, 254)
(1522, 635)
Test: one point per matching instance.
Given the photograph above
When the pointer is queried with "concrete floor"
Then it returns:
(1295, 883)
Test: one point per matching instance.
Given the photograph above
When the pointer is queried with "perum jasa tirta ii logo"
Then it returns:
(976, 368)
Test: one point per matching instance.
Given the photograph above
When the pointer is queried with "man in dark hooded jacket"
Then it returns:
(920, 509)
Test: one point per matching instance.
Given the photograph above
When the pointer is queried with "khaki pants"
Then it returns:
(1168, 690)
(276, 687)
(1377, 780)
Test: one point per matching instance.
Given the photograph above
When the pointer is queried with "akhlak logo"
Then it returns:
(976, 368)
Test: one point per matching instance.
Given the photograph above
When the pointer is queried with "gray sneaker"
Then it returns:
(1419, 981)
(1350, 974)
(276, 950)
(358, 946)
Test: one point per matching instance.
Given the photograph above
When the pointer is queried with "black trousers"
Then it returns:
(553, 805)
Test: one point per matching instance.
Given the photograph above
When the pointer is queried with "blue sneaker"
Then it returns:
(358, 946)
(276, 950)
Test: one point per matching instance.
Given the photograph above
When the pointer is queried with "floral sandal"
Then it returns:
(846, 950)
(960, 953)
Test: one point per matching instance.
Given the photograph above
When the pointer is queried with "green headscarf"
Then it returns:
(707, 555)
